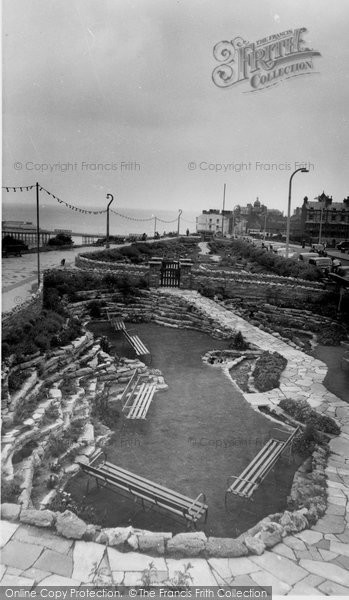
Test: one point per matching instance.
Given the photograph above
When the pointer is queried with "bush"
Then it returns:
(10, 490)
(267, 371)
(302, 411)
(304, 442)
(16, 380)
(94, 309)
(238, 342)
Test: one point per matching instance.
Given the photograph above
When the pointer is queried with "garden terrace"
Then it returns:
(141, 253)
(259, 260)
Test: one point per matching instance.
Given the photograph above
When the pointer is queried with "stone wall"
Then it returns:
(235, 283)
(134, 272)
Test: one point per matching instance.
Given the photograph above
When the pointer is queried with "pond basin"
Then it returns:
(196, 434)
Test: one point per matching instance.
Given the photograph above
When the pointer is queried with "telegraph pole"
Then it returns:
(179, 221)
(38, 232)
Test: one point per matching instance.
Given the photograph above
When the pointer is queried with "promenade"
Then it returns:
(19, 274)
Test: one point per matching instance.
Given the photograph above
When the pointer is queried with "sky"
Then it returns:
(117, 96)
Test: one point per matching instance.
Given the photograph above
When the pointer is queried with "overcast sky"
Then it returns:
(105, 81)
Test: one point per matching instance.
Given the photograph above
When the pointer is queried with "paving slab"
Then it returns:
(221, 570)
(303, 589)
(200, 570)
(133, 561)
(87, 557)
(280, 588)
(48, 539)
(15, 580)
(333, 572)
(309, 537)
(36, 574)
(55, 562)
(244, 580)
(286, 569)
(20, 555)
(333, 589)
(284, 550)
(339, 548)
(7, 530)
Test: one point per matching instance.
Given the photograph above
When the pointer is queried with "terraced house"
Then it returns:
(325, 220)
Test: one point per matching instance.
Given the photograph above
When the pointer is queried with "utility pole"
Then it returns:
(112, 198)
(38, 232)
(154, 226)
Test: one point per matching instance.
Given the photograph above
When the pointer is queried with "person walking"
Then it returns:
(63, 262)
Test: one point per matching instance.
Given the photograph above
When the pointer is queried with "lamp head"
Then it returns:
(305, 170)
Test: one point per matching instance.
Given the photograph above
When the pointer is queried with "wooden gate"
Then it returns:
(170, 273)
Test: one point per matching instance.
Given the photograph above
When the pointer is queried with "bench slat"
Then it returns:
(259, 467)
(147, 490)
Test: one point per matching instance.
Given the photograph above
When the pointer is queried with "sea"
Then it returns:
(128, 221)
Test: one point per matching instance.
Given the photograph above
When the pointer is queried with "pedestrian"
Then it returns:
(63, 262)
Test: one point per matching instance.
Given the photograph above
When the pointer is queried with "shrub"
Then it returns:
(302, 411)
(16, 380)
(304, 442)
(10, 490)
(94, 309)
(64, 501)
(267, 371)
(206, 291)
(238, 342)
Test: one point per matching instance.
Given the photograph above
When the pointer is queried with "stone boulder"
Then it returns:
(40, 518)
(294, 522)
(10, 512)
(225, 547)
(114, 536)
(70, 526)
(187, 544)
(152, 542)
(254, 544)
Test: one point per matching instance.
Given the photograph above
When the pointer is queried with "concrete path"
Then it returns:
(308, 563)
(19, 274)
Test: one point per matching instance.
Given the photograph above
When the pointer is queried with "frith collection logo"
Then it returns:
(264, 63)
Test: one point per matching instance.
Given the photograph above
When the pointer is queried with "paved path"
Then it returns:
(307, 563)
(19, 274)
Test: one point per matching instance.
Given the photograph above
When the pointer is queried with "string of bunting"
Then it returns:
(84, 211)
(21, 188)
(72, 207)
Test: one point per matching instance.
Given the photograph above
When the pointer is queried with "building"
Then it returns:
(214, 222)
(25, 231)
(323, 220)
(253, 218)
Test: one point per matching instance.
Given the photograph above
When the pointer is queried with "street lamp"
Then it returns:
(112, 198)
(303, 170)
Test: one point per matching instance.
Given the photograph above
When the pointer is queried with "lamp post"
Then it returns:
(112, 198)
(303, 170)
(179, 221)
(320, 227)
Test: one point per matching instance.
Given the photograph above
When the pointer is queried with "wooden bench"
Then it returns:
(115, 320)
(142, 401)
(251, 478)
(136, 344)
(120, 480)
